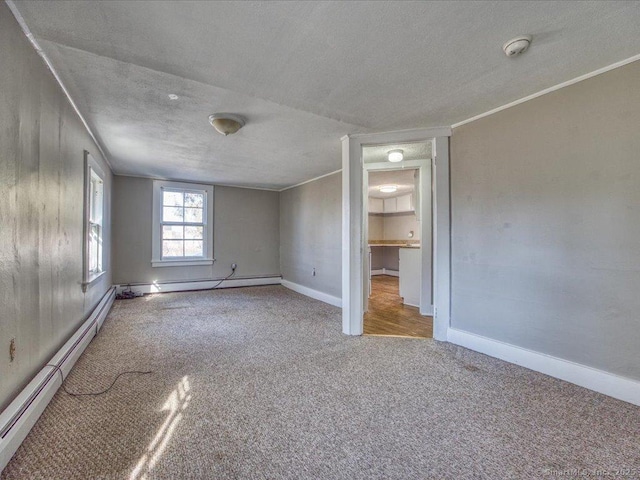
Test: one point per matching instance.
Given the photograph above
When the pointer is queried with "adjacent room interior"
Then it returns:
(319, 239)
(394, 230)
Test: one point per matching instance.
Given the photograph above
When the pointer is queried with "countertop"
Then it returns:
(394, 243)
(413, 245)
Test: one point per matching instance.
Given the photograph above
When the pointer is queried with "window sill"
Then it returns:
(92, 280)
(182, 263)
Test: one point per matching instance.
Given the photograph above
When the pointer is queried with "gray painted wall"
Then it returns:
(42, 143)
(393, 226)
(546, 224)
(376, 227)
(246, 232)
(385, 257)
(398, 225)
(377, 258)
(391, 258)
(311, 234)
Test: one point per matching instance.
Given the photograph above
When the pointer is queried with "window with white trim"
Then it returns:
(93, 222)
(182, 224)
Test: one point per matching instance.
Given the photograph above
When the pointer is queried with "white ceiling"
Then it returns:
(404, 179)
(305, 73)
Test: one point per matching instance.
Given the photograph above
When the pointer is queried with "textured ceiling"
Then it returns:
(403, 179)
(305, 73)
(147, 134)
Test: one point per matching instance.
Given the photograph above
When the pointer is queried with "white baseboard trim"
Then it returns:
(615, 386)
(19, 417)
(385, 271)
(428, 311)
(310, 292)
(200, 284)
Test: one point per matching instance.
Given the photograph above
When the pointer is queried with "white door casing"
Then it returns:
(355, 243)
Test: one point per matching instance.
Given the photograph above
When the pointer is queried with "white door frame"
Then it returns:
(355, 243)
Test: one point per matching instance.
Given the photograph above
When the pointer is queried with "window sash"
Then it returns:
(95, 248)
(96, 197)
(200, 218)
(202, 224)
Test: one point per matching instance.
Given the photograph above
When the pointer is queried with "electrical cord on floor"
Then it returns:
(94, 393)
(225, 278)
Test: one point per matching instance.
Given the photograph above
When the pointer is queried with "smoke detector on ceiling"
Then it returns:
(517, 46)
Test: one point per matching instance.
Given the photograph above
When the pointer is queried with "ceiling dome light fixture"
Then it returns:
(395, 155)
(517, 46)
(388, 188)
(226, 123)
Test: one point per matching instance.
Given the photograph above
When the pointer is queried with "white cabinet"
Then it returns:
(376, 205)
(410, 275)
(390, 205)
(403, 203)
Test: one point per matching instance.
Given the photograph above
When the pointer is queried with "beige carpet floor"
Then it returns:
(260, 383)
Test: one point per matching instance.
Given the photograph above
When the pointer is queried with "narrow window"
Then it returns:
(93, 222)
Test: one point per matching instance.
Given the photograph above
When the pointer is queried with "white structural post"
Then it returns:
(351, 236)
(442, 240)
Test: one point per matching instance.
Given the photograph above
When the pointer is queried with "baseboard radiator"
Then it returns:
(21, 415)
(192, 285)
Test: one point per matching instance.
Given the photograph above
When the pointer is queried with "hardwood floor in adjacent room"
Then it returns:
(387, 314)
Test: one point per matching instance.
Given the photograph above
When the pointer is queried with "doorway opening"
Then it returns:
(432, 203)
(398, 231)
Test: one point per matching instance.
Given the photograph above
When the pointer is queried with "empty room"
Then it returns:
(319, 239)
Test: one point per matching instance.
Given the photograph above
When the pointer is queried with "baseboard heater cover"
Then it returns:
(188, 285)
(22, 413)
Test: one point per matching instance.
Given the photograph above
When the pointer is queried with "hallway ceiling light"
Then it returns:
(388, 188)
(395, 155)
(226, 123)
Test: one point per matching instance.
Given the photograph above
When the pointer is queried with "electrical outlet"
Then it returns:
(234, 266)
(12, 349)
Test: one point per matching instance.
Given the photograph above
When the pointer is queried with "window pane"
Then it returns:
(193, 233)
(96, 192)
(172, 232)
(193, 215)
(172, 248)
(172, 199)
(194, 200)
(193, 248)
(172, 214)
(95, 248)
(93, 251)
(92, 199)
